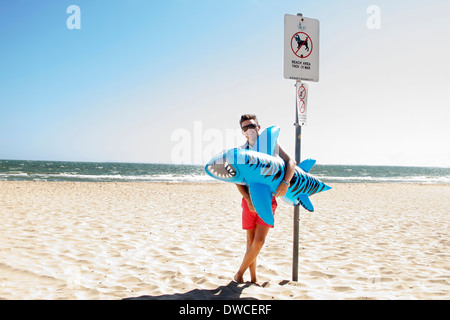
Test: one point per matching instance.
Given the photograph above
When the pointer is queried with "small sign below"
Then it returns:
(302, 102)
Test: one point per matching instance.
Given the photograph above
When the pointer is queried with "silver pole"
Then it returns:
(298, 141)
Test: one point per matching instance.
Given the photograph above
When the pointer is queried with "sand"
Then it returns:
(68, 240)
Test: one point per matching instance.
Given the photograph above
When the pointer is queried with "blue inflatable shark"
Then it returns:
(262, 173)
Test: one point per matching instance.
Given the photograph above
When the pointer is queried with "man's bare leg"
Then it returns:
(252, 266)
(253, 250)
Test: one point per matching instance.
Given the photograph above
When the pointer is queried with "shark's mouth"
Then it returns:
(222, 170)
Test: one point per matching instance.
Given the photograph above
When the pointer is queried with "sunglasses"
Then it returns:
(250, 126)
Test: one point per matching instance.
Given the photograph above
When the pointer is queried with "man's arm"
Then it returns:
(290, 170)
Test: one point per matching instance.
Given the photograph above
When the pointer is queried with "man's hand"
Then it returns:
(250, 204)
(282, 189)
(244, 191)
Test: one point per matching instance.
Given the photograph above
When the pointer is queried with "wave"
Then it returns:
(406, 179)
(205, 178)
(106, 177)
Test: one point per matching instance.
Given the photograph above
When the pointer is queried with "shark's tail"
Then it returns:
(304, 185)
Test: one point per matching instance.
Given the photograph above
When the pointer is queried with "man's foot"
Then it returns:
(255, 282)
(238, 278)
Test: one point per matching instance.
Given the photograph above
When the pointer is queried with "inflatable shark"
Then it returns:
(262, 172)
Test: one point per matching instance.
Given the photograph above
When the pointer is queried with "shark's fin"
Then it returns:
(262, 201)
(307, 164)
(267, 140)
(305, 202)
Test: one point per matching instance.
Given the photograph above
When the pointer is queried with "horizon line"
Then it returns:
(201, 164)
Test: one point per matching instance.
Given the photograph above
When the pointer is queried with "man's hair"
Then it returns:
(248, 117)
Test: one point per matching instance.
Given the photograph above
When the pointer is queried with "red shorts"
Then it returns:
(250, 218)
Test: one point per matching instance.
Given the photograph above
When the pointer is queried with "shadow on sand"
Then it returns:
(231, 291)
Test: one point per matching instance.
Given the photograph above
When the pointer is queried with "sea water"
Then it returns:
(21, 170)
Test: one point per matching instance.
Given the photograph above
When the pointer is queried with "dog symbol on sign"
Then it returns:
(301, 42)
(304, 46)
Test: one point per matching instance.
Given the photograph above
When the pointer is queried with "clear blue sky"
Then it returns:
(118, 88)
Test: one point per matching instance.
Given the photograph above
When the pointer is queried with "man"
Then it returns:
(257, 229)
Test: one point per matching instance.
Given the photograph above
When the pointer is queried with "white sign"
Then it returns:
(301, 48)
(302, 102)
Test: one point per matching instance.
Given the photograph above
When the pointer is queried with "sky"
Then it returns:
(166, 81)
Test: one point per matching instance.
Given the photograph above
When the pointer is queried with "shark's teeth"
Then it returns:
(222, 170)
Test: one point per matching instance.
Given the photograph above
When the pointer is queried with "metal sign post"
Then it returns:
(298, 143)
(301, 62)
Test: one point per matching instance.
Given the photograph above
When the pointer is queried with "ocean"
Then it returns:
(21, 170)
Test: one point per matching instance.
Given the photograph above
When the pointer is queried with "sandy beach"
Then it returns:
(83, 240)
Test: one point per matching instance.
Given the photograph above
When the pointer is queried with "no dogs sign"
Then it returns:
(301, 48)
